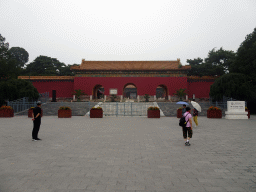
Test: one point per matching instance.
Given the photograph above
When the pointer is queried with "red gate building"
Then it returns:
(155, 78)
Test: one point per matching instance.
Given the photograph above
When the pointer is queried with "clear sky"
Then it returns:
(71, 30)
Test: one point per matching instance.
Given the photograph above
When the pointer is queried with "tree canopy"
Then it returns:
(235, 85)
(217, 63)
(48, 66)
(13, 89)
(245, 61)
(20, 54)
(8, 65)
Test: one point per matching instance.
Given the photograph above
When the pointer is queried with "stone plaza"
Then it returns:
(127, 154)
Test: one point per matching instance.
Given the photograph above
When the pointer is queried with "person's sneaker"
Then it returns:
(38, 139)
(188, 144)
(34, 140)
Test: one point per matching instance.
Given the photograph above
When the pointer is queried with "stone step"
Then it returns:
(83, 108)
(51, 108)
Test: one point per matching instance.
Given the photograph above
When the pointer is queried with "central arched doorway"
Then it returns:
(162, 92)
(98, 92)
(130, 91)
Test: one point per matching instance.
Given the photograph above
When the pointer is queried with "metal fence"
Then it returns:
(222, 105)
(125, 109)
(25, 103)
(21, 104)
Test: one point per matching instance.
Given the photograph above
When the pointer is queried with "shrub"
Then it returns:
(6, 107)
(214, 108)
(64, 108)
(94, 108)
(153, 108)
(147, 97)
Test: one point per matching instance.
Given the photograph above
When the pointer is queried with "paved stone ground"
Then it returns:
(126, 154)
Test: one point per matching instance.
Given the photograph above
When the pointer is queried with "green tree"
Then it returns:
(180, 93)
(13, 89)
(44, 65)
(245, 61)
(196, 67)
(3, 48)
(78, 93)
(65, 71)
(220, 60)
(20, 54)
(235, 85)
(8, 65)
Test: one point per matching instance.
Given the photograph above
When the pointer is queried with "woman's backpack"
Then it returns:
(183, 121)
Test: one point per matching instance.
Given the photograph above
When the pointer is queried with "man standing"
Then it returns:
(36, 118)
(184, 110)
(187, 130)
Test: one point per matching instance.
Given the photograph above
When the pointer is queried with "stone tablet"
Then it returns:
(236, 110)
(236, 106)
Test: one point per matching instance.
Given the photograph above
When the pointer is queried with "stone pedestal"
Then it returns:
(236, 110)
(121, 98)
(74, 97)
(90, 97)
(138, 98)
(169, 97)
(154, 97)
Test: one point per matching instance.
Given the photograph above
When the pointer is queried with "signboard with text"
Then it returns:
(113, 91)
(236, 106)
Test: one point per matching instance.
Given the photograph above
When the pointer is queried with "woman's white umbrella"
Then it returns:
(196, 106)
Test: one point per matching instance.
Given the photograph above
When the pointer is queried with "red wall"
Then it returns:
(200, 89)
(145, 85)
(63, 89)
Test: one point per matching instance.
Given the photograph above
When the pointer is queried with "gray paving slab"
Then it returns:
(126, 154)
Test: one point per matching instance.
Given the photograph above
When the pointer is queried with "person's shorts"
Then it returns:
(187, 132)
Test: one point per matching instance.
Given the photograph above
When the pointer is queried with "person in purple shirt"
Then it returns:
(187, 130)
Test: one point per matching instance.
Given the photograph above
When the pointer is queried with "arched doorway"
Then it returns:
(130, 91)
(98, 92)
(162, 92)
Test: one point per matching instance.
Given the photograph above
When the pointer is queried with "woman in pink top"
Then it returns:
(187, 130)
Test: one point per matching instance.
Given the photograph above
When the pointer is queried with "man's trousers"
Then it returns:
(36, 129)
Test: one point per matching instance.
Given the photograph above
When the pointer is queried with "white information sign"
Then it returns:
(236, 110)
(113, 91)
(236, 106)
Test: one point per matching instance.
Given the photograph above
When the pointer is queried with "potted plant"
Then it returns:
(147, 97)
(113, 97)
(78, 93)
(96, 112)
(30, 112)
(6, 111)
(179, 112)
(214, 112)
(180, 93)
(153, 112)
(64, 112)
(246, 109)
